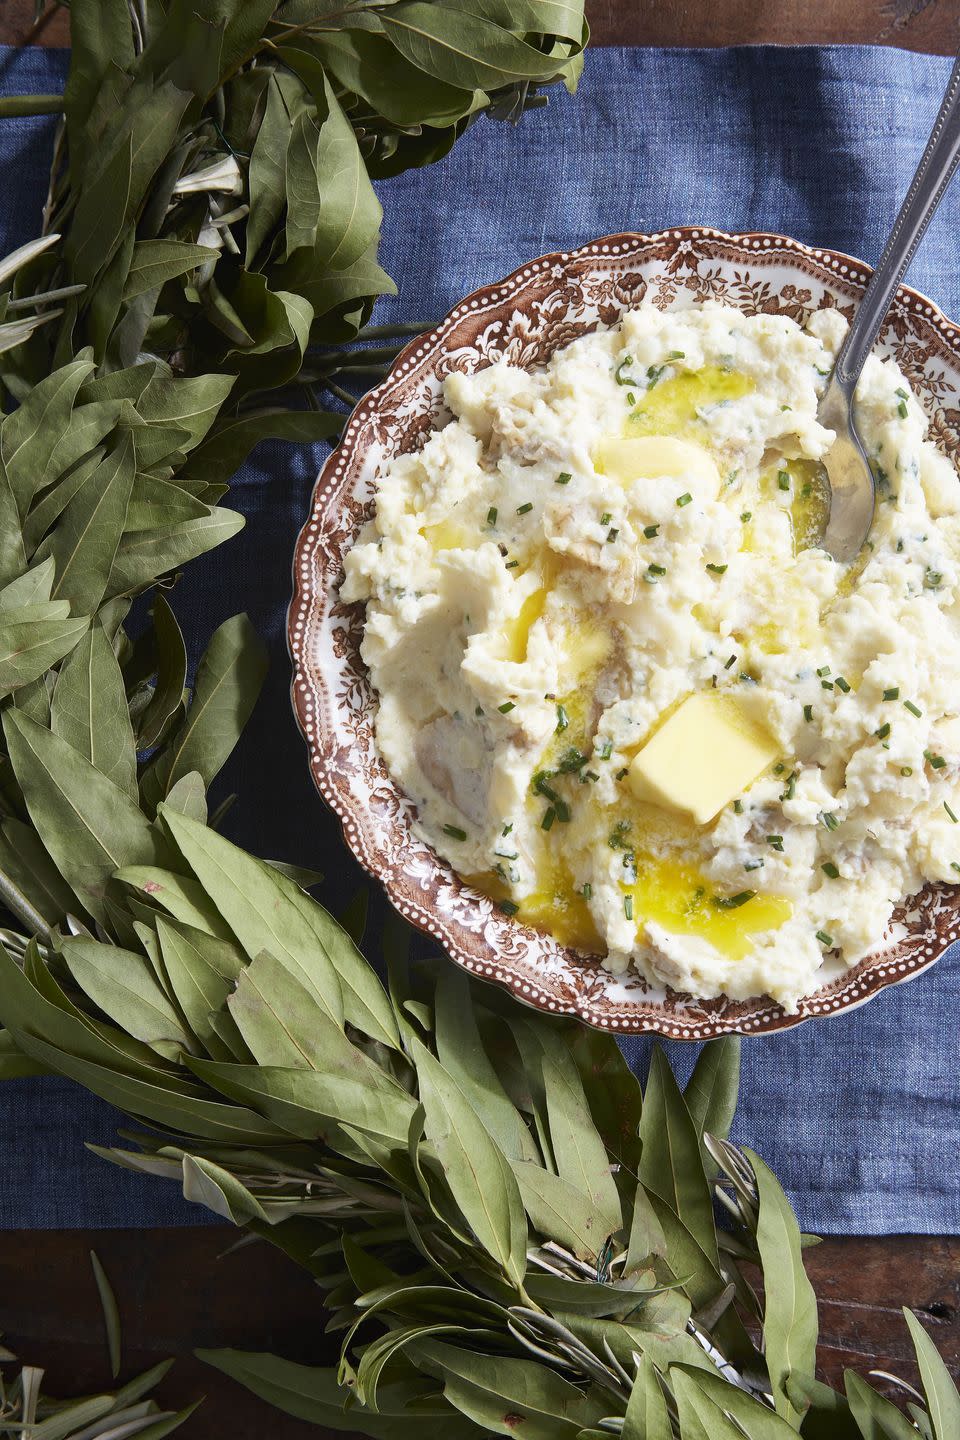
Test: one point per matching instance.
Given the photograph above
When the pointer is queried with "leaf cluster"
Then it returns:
(509, 1233)
(127, 1412)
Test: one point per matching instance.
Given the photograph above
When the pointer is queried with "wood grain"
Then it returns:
(177, 1291)
(927, 25)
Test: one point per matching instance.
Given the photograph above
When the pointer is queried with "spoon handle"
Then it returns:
(934, 174)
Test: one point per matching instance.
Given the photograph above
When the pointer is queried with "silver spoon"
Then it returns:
(852, 484)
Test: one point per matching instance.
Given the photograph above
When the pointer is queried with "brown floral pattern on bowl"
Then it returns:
(526, 317)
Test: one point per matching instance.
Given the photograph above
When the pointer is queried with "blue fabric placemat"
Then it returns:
(858, 1115)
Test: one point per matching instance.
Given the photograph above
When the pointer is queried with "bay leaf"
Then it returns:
(84, 543)
(671, 1162)
(462, 49)
(31, 588)
(646, 1416)
(147, 554)
(122, 985)
(32, 432)
(89, 710)
(876, 1417)
(578, 1150)
(943, 1399)
(285, 99)
(154, 262)
(32, 639)
(171, 674)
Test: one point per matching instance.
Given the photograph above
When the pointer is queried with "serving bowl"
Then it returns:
(526, 317)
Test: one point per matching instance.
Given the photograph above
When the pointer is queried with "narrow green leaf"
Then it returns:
(461, 49)
(671, 1164)
(577, 1148)
(189, 797)
(475, 1168)
(711, 1093)
(877, 1418)
(560, 1211)
(279, 1019)
(146, 554)
(179, 895)
(30, 435)
(31, 588)
(89, 710)
(790, 1307)
(285, 98)
(206, 1183)
(647, 1417)
(121, 983)
(111, 1315)
(32, 639)
(88, 824)
(85, 541)
(229, 444)
(943, 1400)
(171, 674)
(154, 262)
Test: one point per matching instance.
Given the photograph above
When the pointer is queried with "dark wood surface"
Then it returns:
(175, 1291)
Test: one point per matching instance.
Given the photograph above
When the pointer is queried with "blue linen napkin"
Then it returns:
(858, 1114)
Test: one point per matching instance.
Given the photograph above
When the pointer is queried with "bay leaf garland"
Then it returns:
(511, 1236)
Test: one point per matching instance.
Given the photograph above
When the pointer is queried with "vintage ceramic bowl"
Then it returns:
(526, 317)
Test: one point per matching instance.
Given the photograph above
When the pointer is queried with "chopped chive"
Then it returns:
(506, 707)
(656, 570)
(842, 684)
(587, 891)
(937, 762)
(548, 818)
(454, 832)
(563, 478)
(825, 939)
(606, 750)
(902, 409)
(651, 530)
(492, 515)
(617, 839)
(717, 569)
(808, 713)
(826, 684)
(592, 776)
(775, 842)
(883, 732)
(605, 518)
(906, 770)
(733, 902)
(618, 373)
(478, 710)
(628, 906)
(901, 392)
(731, 661)
(779, 768)
(950, 812)
(612, 535)
(783, 479)
(507, 828)
(752, 864)
(954, 866)
(932, 579)
(511, 565)
(509, 907)
(653, 374)
(562, 720)
(824, 670)
(914, 709)
(893, 693)
(746, 515)
(676, 355)
(525, 509)
(620, 773)
(791, 788)
(738, 807)
(631, 398)
(828, 820)
(830, 869)
(806, 490)
(684, 499)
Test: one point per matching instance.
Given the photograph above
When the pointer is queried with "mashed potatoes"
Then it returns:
(585, 546)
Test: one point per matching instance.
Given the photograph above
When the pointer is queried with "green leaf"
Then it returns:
(191, 403)
(201, 971)
(85, 541)
(56, 499)
(877, 1418)
(579, 1152)
(700, 1418)
(509, 1396)
(111, 1315)
(30, 436)
(155, 262)
(171, 674)
(89, 710)
(122, 984)
(757, 1420)
(366, 64)
(208, 1184)
(711, 1093)
(260, 906)
(461, 1053)
(647, 1417)
(790, 1307)
(226, 448)
(31, 588)
(327, 290)
(671, 1164)
(561, 18)
(155, 503)
(943, 1400)
(32, 639)
(95, 49)
(560, 1211)
(475, 1168)
(24, 860)
(88, 824)
(189, 797)
(227, 686)
(147, 554)
(285, 99)
(646, 1232)
(324, 159)
(279, 1019)
(313, 1394)
(179, 895)
(461, 49)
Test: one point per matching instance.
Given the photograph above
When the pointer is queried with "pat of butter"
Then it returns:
(652, 456)
(702, 757)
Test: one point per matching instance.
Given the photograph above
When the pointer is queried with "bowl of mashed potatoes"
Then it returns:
(588, 696)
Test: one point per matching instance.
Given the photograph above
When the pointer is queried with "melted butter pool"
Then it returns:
(674, 406)
(682, 901)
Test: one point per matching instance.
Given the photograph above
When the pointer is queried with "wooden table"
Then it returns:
(175, 1292)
